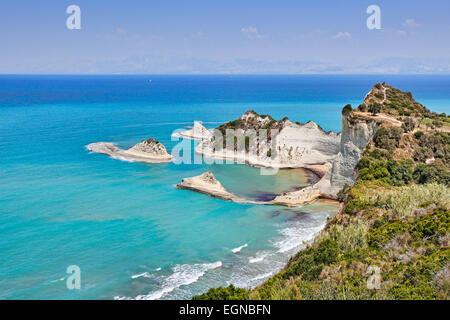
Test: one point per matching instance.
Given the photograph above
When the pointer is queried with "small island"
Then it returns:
(148, 150)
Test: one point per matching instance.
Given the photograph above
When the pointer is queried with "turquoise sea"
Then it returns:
(133, 234)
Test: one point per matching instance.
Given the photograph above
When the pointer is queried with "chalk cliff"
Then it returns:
(259, 140)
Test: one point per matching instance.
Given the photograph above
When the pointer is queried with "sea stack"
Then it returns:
(149, 150)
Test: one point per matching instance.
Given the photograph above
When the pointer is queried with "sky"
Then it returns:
(224, 37)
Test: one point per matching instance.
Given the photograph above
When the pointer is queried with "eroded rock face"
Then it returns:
(356, 134)
(262, 141)
(150, 146)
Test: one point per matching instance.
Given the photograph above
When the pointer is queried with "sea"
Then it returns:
(124, 226)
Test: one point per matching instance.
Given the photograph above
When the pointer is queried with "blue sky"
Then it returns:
(227, 36)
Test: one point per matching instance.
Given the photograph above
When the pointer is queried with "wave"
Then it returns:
(258, 258)
(144, 274)
(183, 274)
(296, 236)
(236, 250)
(262, 276)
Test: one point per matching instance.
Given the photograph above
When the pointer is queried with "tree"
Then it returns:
(375, 108)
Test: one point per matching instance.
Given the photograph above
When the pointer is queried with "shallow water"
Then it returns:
(124, 224)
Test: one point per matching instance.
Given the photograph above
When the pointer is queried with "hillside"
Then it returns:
(391, 239)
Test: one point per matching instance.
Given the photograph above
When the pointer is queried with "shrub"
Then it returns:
(362, 108)
(374, 108)
(400, 172)
(347, 109)
(387, 138)
(408, 124)
(378, 237)
(221, 293)
(327, 252)
(432, 225)
(418, 135)
(424, 173)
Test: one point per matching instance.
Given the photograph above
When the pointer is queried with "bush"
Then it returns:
(432, 225)
(309, 262)
(374, 108)
(347, 109)
(362, 108)
(327, 252)
(221, 293)
(424, 173)
(418, 135)
(387, 138)
(408, 124)
(400, 172)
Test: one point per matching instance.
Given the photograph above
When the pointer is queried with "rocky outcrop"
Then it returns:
(259, 140)
(149, 150)
(356, 134)
(198, 132)
(207, 184)
(294, 145)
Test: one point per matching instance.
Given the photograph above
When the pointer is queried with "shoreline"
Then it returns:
(207, 184)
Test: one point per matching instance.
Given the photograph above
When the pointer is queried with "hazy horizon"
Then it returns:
(204, 37)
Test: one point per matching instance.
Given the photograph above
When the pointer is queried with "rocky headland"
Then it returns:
(390, 239)
(261, 141)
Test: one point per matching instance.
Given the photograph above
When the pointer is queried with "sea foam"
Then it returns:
(236, 250)
(183, 274)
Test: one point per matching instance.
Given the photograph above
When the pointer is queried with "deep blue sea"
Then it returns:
(132, 234)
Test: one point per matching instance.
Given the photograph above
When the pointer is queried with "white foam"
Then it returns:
(258, 258)
(144, 274)
(235, 250)
(183, 274)
(262, 276)
(295, 237)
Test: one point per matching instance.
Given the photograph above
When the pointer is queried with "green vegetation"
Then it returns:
(347, 109)
(435, 145)
(387, 138)
(221, 293)
(394, 225)
(374, 108)
(408, 124)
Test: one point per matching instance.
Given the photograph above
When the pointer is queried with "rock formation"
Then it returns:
(207, 184)
(198, 132)
(285, 144)
(259, 140)
(149, 150)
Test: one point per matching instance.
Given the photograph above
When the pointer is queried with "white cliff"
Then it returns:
(262, 141)
(331, 156)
